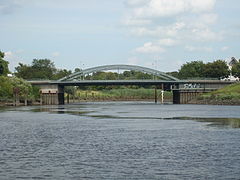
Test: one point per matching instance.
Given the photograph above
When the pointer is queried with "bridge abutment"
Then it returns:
(185, 96)
(51, 94)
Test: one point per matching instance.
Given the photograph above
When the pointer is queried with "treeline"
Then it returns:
(41, 69)
(218, 69)
(45, 69)
(13, 87)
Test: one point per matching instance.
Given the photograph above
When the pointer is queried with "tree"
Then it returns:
(10, 84)
(24, 87)
(174, 74)
(60, 73)
(3, 65)
(24, 71)
(77, 70)
(217, 69)
(194, 69)
(43, 68)
(236, 69)
(40, 69)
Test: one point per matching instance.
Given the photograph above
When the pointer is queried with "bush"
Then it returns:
(12, 85)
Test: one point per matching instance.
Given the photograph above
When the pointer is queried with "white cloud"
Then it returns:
(201, 49)
(172, 22)
(149, 47)
(205, 34)
(209, 18)
(167, 42)
(10, 6)
(133, 61)
(12, 58)
(134, 3)
(55, 54)
(163, 8)
(128, 21)
(224, 48)
(159, 31)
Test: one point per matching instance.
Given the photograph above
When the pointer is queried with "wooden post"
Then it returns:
(162, 95)
(67, 98)
(41, 98)
(155, 94)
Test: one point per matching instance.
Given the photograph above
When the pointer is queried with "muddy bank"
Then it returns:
(233, 102)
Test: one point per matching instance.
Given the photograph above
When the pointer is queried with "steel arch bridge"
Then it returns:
(84, 72)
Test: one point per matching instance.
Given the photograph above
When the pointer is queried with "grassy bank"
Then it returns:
(229, 95)
(119, 94)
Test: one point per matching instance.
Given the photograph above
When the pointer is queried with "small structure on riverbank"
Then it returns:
(231, 62)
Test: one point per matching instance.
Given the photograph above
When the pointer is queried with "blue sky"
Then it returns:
(160, 34)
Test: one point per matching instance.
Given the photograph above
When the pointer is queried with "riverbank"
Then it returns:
(123, 94)
(229, 95)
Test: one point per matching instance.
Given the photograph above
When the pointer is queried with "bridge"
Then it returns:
(52, 92)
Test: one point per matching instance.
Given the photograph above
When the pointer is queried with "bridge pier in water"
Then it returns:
(184, 96)
(51, 95)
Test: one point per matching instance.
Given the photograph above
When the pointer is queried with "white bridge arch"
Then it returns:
(119, 67)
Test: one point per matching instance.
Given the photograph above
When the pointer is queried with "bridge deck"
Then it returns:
(127, 82)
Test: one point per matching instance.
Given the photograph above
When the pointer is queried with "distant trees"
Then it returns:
(127, 75)
(194, 69)
(40, 69)
(9, 86)
(45, 69)
(217, 69)
(236, 69)
(60, 73)
(3, 65)
(197, 69)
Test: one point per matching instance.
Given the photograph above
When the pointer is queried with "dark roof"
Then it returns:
(233, 61)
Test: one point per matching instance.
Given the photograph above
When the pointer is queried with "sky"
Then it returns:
(159, 34)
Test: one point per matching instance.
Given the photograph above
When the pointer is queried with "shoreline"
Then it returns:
(216, 102)
(167, 101)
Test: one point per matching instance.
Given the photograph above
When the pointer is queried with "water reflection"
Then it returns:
(105, 113)
(120, 141)
(221, 122)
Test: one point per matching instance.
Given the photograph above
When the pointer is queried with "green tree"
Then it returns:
(174, 74)
(77, 70)
(9, 85)
(192, 69)
(43, 68)
(60, 73)
(236, 69)
(39, 69)
(3, 65)
(24, 71)
(6, 88)
(23, 87)
(217, 69)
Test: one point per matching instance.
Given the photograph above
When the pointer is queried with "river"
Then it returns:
(120, 140)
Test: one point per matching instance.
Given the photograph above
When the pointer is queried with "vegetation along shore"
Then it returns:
(15, 89)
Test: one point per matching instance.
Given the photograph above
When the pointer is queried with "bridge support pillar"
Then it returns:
(184, 96)
(51, 95)
(155, 94)
(176, 97)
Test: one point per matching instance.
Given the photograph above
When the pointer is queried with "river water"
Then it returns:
(120, 140)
